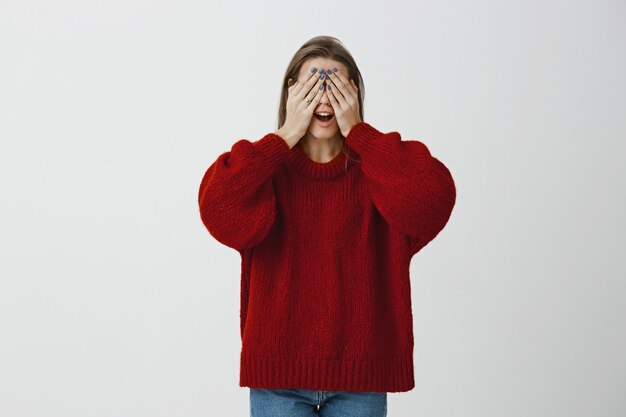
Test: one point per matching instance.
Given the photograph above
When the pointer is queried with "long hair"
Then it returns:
(324, 47)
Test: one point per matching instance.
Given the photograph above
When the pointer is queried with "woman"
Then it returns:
(326, 213)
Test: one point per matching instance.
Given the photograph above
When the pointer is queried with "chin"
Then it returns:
(324, 132)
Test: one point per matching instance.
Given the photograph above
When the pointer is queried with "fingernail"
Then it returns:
(321, 86)
(329, 71)
(313, 69)
(321, 71)
(335, 69)
(328, 86)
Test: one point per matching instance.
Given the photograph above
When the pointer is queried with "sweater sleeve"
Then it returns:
(236, 195)
(412, 190)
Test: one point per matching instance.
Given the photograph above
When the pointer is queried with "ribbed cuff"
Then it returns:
(274, 148)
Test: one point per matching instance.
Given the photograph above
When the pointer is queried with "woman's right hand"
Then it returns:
(299, 112)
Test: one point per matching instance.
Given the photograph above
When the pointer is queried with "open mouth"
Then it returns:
(324, 116)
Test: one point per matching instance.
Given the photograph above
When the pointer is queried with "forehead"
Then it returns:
(318, 62)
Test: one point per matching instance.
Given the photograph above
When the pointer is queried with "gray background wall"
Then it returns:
(114, 299)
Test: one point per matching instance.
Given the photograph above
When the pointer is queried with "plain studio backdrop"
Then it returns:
(114, 299)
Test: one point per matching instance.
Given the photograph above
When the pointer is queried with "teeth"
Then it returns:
(323, 114)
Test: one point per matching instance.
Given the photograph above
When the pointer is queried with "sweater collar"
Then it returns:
(321, 170)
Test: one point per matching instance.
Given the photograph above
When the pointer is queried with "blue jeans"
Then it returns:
(309, 403)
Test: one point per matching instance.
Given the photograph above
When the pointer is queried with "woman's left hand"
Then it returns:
(345, 102)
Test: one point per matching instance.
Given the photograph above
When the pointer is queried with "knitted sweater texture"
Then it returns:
(325, 251)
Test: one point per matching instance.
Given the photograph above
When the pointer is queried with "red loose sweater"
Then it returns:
(325, 251)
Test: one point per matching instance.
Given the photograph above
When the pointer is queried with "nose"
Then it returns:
(325, 98)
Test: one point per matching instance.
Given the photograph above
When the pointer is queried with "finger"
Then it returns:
(333, 100)
(316, 89)
(317, 99)
(342, 84)
(337, 93)
(349, 83)
(301, 83)
(317, 80)
(311, 79)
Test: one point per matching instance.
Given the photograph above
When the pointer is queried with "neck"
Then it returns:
(321, 149)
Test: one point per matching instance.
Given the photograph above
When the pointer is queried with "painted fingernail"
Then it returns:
(323, 77)
(328, 86)
(313, 69)
(335, 69)
(329, 71)
(321, 86)
(321, 71)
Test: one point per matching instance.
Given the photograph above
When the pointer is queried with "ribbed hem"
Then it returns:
(331, 374)
(274, 147)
